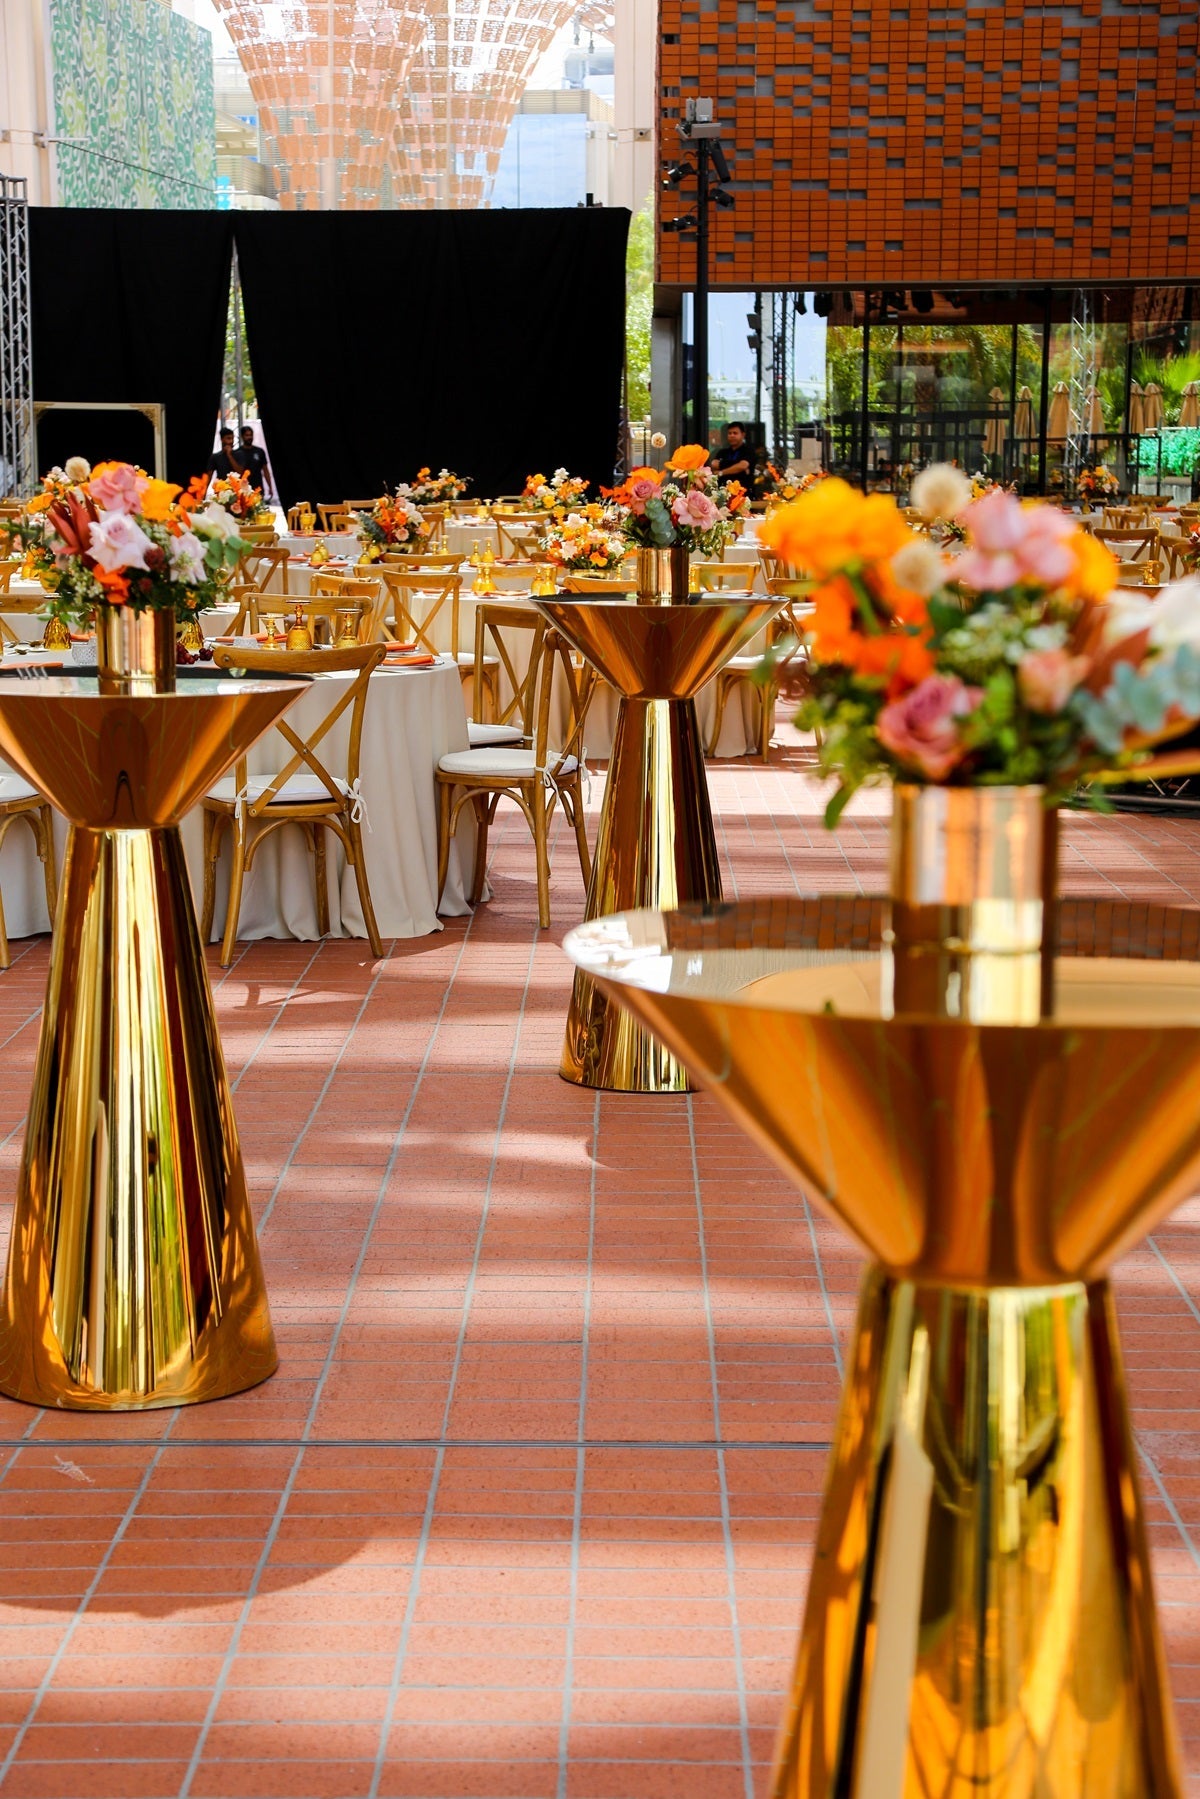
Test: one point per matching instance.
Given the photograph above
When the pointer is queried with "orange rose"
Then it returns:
(688, 457)
(41, 502)
(158, 499)
(1095, 574)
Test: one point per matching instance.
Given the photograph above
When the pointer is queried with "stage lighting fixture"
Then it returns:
(687, 223)
(801, 305)
(822, 305)
(677, 172)
(922, 299)
(721, 197)
(754, 320)
(720, 166)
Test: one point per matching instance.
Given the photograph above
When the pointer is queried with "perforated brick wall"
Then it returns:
(940, 141)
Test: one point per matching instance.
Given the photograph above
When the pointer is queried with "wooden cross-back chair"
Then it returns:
(334, 516)
(1176, 549)
(424, 560)
(420, 604)
(252, 604)
(435, 518)
(8, 568)
(495, 722)
(330, 594)
(515, 576)
(19, 800)
(261, 564)
(1139, 574)
(1130, 543)
(725, 577)
(295, 513)
(510, 525)
(536, 778)
(305, 792)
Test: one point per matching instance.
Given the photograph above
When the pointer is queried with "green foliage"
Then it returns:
(973, 358)
(1172, 373)
(1179, 447)
(639, 303)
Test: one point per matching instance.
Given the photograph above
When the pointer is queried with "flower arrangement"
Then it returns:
(788, 488)
(240, 498)
(435, 490)
(393, 523)
(114, 536)
(679, 504)
(1096, 483)
(560, 491)
(1007, 664)
(586, 542)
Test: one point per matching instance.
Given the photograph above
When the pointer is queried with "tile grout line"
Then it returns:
(414, 1585)
(564, 1728)
(280, 1009)
(302, 1133)
(1165, 1496)
(1186, 1297)
(222, 1680)
(86, 1596)
(704, 1445)
(722, 1477)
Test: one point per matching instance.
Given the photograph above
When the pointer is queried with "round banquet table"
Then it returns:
(413, 717)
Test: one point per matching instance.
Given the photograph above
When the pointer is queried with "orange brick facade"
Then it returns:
(880, 142)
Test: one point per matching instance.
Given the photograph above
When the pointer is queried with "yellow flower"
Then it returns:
(1096, 571)
(158, 499)
(833, 526)
(687, 457)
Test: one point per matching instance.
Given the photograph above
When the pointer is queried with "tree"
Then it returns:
(639, 304)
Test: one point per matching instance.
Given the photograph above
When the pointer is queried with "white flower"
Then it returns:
(658, 440)
(1172, 619)
(558, 477)
(78, 468)
(187, 558)
(918, 567)
(214, 521)
(941, 491)
(116, 542)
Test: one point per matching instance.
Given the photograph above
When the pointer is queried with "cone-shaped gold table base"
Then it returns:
(656, 845)
(980, 1617)
(133, 1273)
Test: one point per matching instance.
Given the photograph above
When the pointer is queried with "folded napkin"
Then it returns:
(410, 659)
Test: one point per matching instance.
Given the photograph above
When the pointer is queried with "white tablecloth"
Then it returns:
(413, 717)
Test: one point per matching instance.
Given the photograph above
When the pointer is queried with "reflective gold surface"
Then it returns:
(133, 1274)
(655, 845)
(972, 873)
(980, 1616)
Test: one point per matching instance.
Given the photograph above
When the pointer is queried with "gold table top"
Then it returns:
(122, 762)
(954, 1152)
(658, 652)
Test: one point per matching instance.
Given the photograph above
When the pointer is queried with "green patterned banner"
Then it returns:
(133, 89)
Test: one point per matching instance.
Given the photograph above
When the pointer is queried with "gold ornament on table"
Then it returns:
(347, 622)
(55, 635)
(300, 635)
(191, 635)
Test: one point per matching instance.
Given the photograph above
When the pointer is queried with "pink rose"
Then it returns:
(985, 572)
(1008, 543)
(995, 522)
(922, 728)
(695, 509)
(639, 493)
(1048, 678)
(117, 542)
(1044, 551)
(119, 489)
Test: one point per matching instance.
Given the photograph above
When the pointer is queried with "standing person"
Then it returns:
(225, 463)
(733, 462)
(253, 461)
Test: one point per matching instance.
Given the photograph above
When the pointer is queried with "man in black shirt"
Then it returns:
(254, 461)
(225, 463)
(733, 462)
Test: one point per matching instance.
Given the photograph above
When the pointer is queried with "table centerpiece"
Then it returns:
(586, 542)
(135, 556)
(1096, 485)
(669, 514)
(556, 495)
(986, 686)
(439, 489)
(394, 524)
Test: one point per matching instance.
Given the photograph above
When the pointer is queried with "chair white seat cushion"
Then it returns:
(502, 764)
(300, 790)
(466, 659)
(16, 787)
(740, 665)
(492, 736)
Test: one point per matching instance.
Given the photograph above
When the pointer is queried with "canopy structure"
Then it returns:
(325, 74)
(465, 84)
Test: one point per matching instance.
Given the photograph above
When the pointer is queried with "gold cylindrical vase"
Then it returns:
(653, 577)
(681, 575)
(135, 651)
(969, 926)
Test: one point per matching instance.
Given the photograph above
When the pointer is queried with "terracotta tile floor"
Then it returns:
(526, 1512)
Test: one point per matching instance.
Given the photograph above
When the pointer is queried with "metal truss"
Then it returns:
(18, 450)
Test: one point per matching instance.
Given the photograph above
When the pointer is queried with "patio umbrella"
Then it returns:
(1137, 409)
(997, 425)
(1023, 420)
(1152, 416)
(1189, 409)
(1094, 414)
(1058, 424)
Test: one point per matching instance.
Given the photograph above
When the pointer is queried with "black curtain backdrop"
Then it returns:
(488, 342)
(129, 306)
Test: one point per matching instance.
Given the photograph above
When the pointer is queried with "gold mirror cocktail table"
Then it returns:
(133, 1273)
(980, 1618)
(655, 845)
